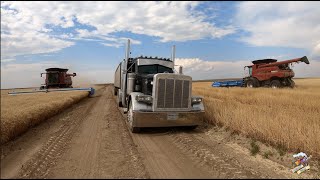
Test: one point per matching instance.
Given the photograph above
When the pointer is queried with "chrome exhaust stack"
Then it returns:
(173, 53)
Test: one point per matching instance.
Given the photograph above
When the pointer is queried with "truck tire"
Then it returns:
(131, 119)
(119, 100)
(190, 128)
(275, 84)
(115, 91)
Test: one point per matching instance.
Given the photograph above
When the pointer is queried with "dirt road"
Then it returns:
(91, 140)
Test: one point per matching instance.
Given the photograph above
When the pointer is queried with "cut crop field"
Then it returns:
(286, 118)
(20, 112)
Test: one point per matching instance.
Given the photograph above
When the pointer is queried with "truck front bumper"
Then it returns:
(167, 119)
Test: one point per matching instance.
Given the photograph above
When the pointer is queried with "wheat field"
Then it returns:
(20, 112)
(284, 117)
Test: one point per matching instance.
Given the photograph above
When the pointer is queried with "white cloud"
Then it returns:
(26, 27)
(30, 43)
(316, 51)
(117, 45)
(7, 60)
(120, 42)
(23, 30)
(286, 24)
(200, 69)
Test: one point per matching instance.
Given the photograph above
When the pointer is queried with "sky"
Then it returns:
(214, 39)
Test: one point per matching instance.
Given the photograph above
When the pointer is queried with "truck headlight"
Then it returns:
(196, 100)
(144, 98)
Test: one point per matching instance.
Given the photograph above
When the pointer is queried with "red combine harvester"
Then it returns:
(266, 73)
(269, 72)
(57, 78)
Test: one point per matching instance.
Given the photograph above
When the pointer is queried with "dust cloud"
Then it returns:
(81, 82)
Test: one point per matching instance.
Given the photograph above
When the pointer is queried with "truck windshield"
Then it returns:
(153, 69)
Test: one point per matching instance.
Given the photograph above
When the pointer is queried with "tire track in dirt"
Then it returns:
(38, 166)
(172, 153)
(89, 140)
(218, 163)
(101, 148)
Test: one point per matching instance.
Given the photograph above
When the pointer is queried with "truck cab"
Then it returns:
(155, 95)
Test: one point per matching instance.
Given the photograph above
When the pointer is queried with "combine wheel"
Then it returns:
(252, 83)
(275, 84)
(249, 83)
(131, 119)
(292, 84)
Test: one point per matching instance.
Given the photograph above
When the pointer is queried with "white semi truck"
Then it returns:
(154, 95)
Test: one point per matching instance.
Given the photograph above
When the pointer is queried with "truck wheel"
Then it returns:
(275, 84)
(191, 127)
(119, 100)
(131, 119)
(115, 91)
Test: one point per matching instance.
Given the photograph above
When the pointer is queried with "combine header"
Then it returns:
(90, 90)
(266, 73)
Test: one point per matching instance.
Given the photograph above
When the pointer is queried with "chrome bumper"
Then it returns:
(167, 119)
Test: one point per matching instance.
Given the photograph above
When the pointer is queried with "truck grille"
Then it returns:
(173, 94)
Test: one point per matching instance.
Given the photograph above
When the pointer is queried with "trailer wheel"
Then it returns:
(131, 119)
(275, 84)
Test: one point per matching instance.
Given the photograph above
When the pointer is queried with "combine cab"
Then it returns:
(57, 78)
